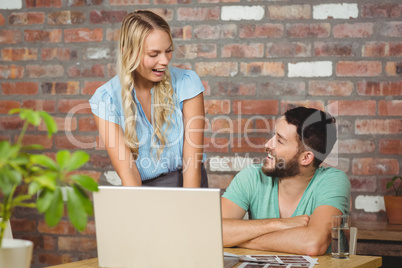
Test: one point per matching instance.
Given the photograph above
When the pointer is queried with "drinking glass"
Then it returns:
(340, 236)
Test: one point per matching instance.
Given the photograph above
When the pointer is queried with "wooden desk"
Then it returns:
(378, 238)
(325, 261)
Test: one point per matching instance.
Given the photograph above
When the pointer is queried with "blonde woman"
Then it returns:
(151, 116)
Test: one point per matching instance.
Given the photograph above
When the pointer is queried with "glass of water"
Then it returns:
(340, 236)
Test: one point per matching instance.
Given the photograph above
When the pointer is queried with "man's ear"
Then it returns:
(307, 157)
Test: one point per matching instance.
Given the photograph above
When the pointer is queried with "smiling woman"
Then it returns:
(151, 116)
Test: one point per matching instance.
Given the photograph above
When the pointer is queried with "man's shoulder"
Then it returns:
(331, 175)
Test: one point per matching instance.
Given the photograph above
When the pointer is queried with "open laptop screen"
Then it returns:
(158, 227)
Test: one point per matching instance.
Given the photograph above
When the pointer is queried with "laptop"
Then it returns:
(159, 227)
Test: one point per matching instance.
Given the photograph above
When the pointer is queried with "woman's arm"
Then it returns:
(193, 146)
(120, 155)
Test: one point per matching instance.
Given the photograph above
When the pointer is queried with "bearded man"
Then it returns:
(290, 198)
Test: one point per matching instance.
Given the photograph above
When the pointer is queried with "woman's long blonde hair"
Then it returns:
(135, 28)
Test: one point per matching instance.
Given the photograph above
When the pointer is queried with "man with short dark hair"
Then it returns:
(289, 198)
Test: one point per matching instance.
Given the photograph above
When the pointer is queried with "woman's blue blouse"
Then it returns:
(106, 103)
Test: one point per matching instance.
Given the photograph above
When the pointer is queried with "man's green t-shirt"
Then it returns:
(257, 193)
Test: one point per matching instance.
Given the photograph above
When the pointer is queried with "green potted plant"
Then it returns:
(393, 204)
(37, 181)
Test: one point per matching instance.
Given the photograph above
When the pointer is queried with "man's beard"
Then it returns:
(282, 168)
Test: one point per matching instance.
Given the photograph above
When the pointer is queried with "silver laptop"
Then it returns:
(158, 227)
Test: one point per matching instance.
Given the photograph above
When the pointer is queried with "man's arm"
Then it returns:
(312, 239)
(237, 231)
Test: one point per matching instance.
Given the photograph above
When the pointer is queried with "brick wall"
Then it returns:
(256, 59)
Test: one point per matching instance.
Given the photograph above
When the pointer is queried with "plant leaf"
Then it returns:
(85, 182)
(77, 160)
(86, 202)
(14, 111)
(4, 150)
(44, 161)
(32, 147)
(34, 187)
(55, 210)
(31, 116)
(62, 158)
(50, 123)
(76, 210)
(47, 180)
(44, 200)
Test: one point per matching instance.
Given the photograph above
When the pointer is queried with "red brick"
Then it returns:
(63, 124)
(219, 181)
(181, 33)
(165, 13)
(39, 71)
(216, 145)
(354, 146)
(217, 106)
(97, 70)
(61, 88)
(63, 227)
(23, 225)
(391, 29)
(170, 2)
(264, 125)
(74, 106)
(43, 3)
(55, 258)
(390, 108)
(235, 89)
(231, 125)
(353, 107)
(261, 31)
(330, 88)
(255, 50)
(192, 51)
(104, 16)
(101, 161)
(318, 30)
(390, 146)
(289, 12)
(383, 88)
(339, 49)
(198, 14)
(74, 142)
(275, 69)
(375, 126)
(83, 35)
(65, 17)
(90, 173)
(255, 107)
(112, 35)
(248, 144)
(49, 243)
(19, 54)
(288, 49)
(37, 139)
(281, 88)
(10, 36)
(80, 3)
(227, 31)
(207, 88)
(26, 18)
(91, 87)
(45, 105)
(287, 105)
(74, 243)
(355, 30)
(6, 106)
(3, 137)
(225, 69)
(383, 186)
(382, 49)
(375, 166)
(87, 124)
(128, 2)
(358, 68)
(393, 68)
(363, 184)
(2, 20)
(112, 72)
(20, 88)
(381, 10)
(337, 162)
(45, 36)
(11, 72)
